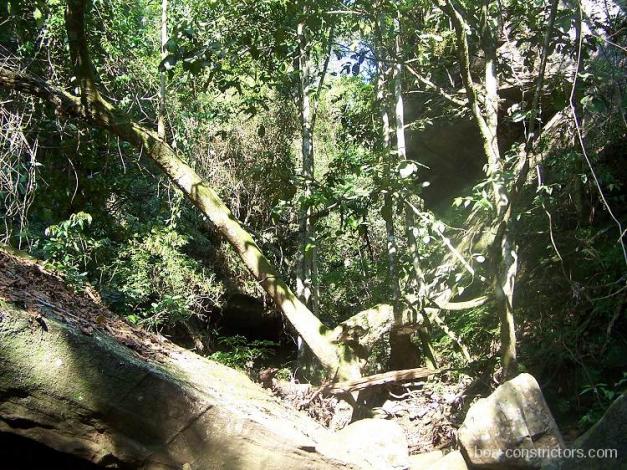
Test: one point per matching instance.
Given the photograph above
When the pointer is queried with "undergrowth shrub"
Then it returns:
(154, 283)
(240, 353)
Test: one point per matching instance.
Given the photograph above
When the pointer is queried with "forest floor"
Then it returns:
(25, 282)
(428, 411)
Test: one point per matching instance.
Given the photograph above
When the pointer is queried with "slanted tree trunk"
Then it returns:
(336, 358)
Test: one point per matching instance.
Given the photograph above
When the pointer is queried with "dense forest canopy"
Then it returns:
(336, 188)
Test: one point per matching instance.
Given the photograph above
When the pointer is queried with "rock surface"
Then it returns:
(594, 450)
(88, 396)
(422, 461)
(451, 461)
(513, 427)
(78, 380)
(373, 443)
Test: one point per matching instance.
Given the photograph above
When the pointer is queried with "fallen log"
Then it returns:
(385, 378)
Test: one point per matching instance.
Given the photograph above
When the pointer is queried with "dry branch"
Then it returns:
(377, 380)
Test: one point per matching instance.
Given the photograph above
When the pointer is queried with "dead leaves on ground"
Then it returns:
(29, 286)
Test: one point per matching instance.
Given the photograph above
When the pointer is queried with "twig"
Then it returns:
(55, 307)
(432, 313)
(466, 305)
(610, 326)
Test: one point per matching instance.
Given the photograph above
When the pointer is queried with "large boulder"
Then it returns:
(603, 446)
(513, 427)
(91, 397)
(77, 381)
(372, 443)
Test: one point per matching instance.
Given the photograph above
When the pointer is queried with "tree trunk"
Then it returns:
(306, 263)
(388, 202)
(504, 258)
(164, 40)
(401, 151)
(304, 281)
(385, 378)
(506, 263)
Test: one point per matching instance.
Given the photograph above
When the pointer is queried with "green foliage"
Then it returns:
(149, 278)
(239, 353)
(284, 374)
(69, 248)
(477, 329)
(604, 395)
(155, 283)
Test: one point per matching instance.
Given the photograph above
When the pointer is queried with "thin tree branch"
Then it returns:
(444, 238)
(433, 315)
(535, 102)
(429, 84)
(464, 56)
(466, 305)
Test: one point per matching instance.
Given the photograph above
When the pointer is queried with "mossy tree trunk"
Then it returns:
(338, 359)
